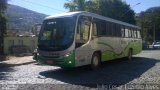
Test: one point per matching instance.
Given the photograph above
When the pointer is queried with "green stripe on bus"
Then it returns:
(111, 54)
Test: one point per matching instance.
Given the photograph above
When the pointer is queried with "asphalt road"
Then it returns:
(143, 72)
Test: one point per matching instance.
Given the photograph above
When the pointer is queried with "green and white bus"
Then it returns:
(82, 38)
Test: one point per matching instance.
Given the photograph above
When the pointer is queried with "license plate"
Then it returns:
(49, 62)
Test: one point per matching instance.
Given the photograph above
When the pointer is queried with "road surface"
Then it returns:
(143, 72)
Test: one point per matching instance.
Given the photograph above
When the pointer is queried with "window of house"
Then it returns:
(20, 42)
(10, 43)
(33, 45)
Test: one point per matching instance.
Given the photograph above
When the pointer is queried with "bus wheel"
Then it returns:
(130, 53)
(95, 63)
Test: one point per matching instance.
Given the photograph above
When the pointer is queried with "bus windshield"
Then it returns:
(57, 34)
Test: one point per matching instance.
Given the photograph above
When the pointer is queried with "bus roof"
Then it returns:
(70, 14)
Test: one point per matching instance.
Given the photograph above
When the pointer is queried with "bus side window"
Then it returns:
(109, 28)
(101, 27)
(94, 32)
(135, 33)
(126, 32)
(122, 31)
(132, 33)
(129, 32)
(114, 29)
(83, 31)
(118, 30)
(138, 32)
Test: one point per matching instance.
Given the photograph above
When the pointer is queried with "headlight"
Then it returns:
(68, 54)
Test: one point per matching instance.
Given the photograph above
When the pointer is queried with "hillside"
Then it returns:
(21, 19)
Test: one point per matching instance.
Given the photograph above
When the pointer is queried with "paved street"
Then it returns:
(144, 69)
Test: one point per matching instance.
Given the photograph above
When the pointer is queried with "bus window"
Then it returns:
(107, 29)
(132, 32)
(122, 31)
(135, 33)
(126, 32)
(112, 28)
(94, 28)
(83, 31)
(129, 32)
(101, 27)
(118, 30)
(138, 32)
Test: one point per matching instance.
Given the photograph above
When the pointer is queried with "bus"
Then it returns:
(81, 38)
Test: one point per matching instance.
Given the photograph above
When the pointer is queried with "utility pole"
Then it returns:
(154, 26)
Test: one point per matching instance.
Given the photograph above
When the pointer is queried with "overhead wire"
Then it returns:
(43, 5)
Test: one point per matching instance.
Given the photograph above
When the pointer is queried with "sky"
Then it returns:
(51, 7)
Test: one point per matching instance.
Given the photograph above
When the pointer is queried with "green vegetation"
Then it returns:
(3, 22)
(16, 18)
(149, 21)
(116, 9)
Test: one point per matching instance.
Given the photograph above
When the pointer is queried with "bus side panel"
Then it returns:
(113, 47)
(137, 46)
(110, 47)
(129, 43)
(83, 55)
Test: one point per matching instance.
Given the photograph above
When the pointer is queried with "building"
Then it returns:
(17, 42)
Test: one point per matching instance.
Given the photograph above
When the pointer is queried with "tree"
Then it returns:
(3, 25)
(149, 22)
(75, 5)
(3, 6)
(116, 9)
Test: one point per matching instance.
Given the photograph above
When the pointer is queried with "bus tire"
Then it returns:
(95, 62)
(130, 53)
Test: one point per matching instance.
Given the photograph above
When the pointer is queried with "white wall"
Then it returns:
(30, 42)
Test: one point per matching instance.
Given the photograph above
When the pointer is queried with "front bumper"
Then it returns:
(65, 62)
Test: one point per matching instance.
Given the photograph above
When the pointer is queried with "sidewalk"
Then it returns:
(15, 61)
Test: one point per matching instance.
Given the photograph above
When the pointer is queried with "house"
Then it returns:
(19, 44)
